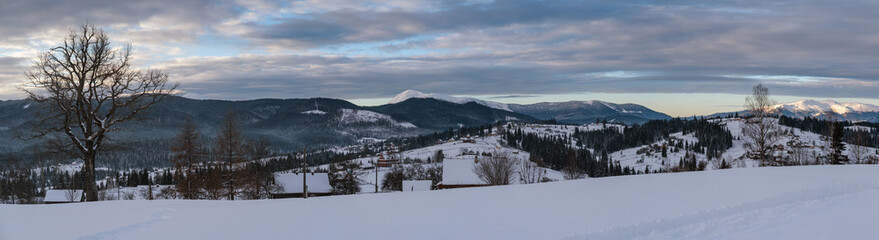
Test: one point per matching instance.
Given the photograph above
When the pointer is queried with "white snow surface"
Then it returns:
(406, 95)
(859, 128)
(459, 171)
(810, 202)
(292, 182)
(818, 107)
(416, 185)
(316, 112)
(366, 116)
(353, 116)
(62, 195)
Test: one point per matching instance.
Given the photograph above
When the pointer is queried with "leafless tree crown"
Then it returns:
(89, 87)
(498, 169)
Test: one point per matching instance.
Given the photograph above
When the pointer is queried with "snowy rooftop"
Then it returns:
(459, 171)
(62, 195)
(416, 185)
(292, 182)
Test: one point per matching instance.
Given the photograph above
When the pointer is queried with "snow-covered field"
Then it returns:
(811, 202)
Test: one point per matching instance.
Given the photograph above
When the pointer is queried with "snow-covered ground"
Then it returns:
(810, 202)
(406, 95)
(452, 151)
(365, 116)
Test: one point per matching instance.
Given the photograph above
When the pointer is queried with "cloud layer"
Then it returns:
(365, 49)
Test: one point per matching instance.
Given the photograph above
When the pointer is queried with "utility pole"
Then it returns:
(375, 163)
(304, 172)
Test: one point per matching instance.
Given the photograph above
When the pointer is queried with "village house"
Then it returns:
(458, 173)
(62, 196)
(318, 184)
(386, 162)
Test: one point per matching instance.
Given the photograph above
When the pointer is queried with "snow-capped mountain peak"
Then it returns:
(819, 107)
(408, 94)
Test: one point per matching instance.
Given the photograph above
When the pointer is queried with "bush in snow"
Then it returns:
(497, 169)
(393, 180)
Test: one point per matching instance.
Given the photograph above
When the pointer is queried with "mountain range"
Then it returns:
(856, 112)
(573, 112)
(827, 109)
(290, 124)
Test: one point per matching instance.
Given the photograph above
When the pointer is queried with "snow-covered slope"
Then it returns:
(811, 146)
(817, 108)
(813, 202)
(349, 116)
(406, 95)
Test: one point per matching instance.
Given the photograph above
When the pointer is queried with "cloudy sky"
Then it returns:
(679, 57)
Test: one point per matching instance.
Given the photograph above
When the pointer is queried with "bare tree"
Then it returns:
(260, 148)
(497, 169)
(760, 131)
(859, 153)
(89, 88)
(187, 151)
(231, 150)
(798, 151)
(213, 182)
(530, 172)
(71, 194)
(572, 171)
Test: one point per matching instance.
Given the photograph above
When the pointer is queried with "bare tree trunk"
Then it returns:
(91, 188)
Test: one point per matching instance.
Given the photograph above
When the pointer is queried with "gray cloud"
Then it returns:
(22, 19)
(10, 72)
(514, 96)
(802, 48)
(354, 26)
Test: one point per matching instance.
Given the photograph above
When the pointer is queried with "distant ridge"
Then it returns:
(576, 112)
(844, 111)
(409, 94)
(580, 112)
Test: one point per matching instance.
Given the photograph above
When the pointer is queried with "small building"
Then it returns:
(458, 173)
(416, 185)
(63, 196)
(318, 185)
(468, 139)
(384, 162)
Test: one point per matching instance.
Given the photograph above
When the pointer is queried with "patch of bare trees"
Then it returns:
(530, 171)
(89, 87)
(858, 152)
(229, 174)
